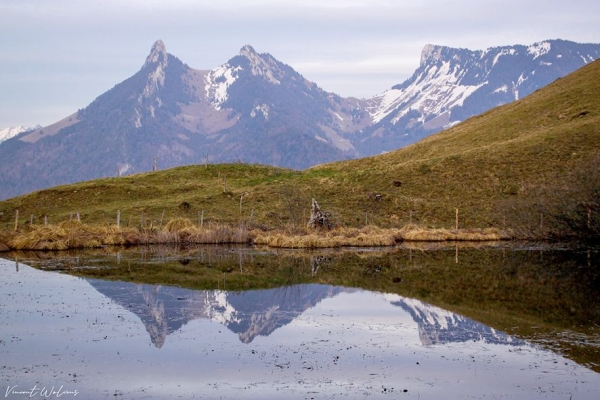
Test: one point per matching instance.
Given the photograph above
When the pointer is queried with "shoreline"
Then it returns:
(75, 235)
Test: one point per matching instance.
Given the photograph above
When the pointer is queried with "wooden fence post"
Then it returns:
(456, 222)
(118, 218)
(16, 220)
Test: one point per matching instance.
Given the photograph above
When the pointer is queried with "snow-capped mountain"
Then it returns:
(453, 84)
(256, 109)
(13, 131)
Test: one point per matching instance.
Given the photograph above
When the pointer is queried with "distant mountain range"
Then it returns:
(256, 109)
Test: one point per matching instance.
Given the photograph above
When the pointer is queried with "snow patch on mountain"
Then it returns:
(436, 89)
(539, 49)
(502, 53)
(13, 131)
(218, 81)
(384, 104)
(503, 88)
(263, 109)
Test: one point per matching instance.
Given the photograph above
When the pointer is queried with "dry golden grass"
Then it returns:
(178, 224)
(75, 235)
(371, 236)
(413, 233)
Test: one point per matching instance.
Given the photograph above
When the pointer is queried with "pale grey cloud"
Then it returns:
(58, 55)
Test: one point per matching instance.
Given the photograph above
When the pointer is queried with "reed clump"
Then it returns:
(369, 236)
(178, 224)
(372, 236)
(76, 235)
(415, 233)
(66, 235)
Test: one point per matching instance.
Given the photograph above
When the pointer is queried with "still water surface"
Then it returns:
(82, 337)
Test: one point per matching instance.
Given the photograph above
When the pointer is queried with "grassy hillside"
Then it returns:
(505, 154)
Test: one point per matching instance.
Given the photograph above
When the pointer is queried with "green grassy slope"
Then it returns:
(498, 155)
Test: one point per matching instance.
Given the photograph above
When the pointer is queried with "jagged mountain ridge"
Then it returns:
(453, 84)
(256, 109)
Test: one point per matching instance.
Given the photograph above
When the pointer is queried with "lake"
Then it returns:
(510, 321)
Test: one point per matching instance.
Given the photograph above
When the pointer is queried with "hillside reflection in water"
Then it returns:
(307, 339)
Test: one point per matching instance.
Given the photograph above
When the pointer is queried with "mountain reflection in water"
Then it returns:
(295, 342)
(164, 310)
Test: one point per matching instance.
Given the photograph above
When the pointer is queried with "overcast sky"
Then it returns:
(57, 55)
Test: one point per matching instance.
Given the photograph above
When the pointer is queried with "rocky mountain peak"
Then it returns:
(433, 54)
(430, 52)
(156, 63)
(158, 54)
(261, 64)
(248, 51)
